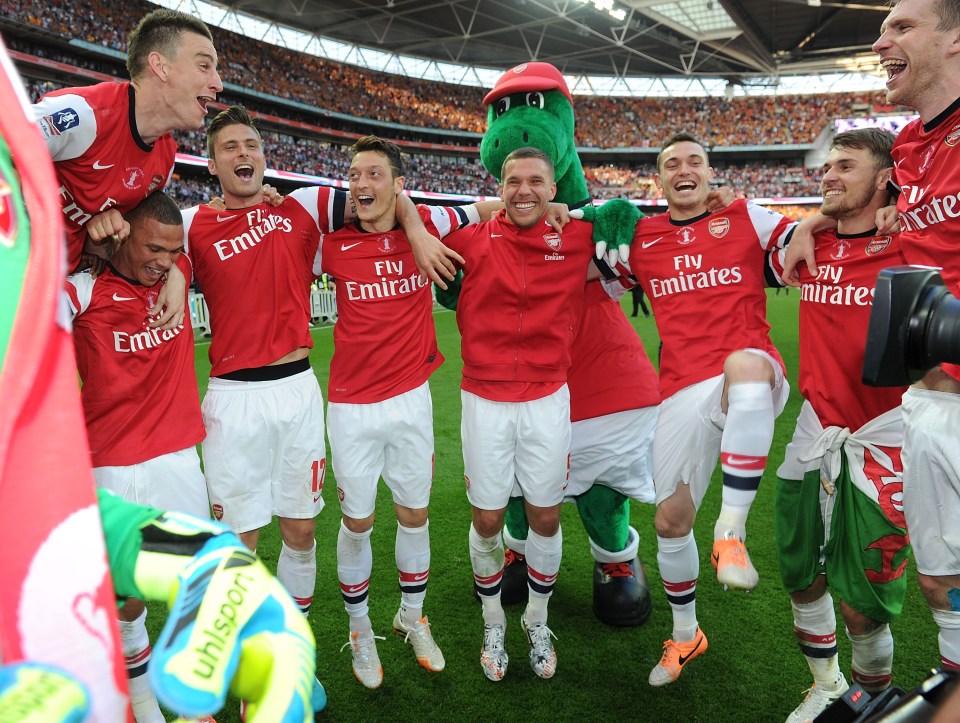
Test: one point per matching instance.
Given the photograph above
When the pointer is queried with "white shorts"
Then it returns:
(264, 454)
(931, 479)
(686, 446)
(524, 441)
(392, 438)
(615, 450)
(171, 481)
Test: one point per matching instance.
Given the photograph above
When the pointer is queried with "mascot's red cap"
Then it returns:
(528, 76)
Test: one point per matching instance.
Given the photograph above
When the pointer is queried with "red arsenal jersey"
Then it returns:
(520, 305)
(705, 279)
(611, 371)
(100, 159)
(385, 341)
(255, 266)
(839, 300)
(926, 162)
(139, 395)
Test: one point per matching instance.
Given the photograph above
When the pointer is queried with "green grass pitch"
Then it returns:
(753, 670)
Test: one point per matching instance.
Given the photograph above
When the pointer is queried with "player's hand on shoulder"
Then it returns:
(719, 198)
(888, 220)
(38, 693)
(436, 261)
(558, 215)
(232, 627)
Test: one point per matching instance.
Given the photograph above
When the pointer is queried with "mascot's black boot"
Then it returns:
(514, 588)
(621, 593)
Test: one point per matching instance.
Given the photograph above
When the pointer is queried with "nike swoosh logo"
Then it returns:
(496, 235)
(316, 498)
(221, 219)
(97, 166)
(124, 298)
(741, 461)
(681, 659)
(421, 576)
(347, 247)
(646, 245)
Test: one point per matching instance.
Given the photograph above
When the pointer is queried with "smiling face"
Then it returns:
(527, 188)
(851, 181)
(237, 160)
(153, 247)
(921, 59)
(684, 177)
(191, 79)
(374, 190)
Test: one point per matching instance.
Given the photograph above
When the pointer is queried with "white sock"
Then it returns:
(486, 559)
(354, 564)
(872, 660)
(136, 653)
(412, 551)
(949, 623)
(543, 564)
(297, 572)
(815, 625)
(679, 570)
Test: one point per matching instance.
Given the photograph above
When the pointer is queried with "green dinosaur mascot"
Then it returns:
(531, 106)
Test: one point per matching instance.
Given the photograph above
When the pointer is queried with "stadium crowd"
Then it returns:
(602, 122)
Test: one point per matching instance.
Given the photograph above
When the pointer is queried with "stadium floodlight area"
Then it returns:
(857, 79)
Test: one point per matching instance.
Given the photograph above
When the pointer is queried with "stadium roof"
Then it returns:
(738, 40)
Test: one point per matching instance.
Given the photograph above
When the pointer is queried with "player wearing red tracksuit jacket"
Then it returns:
(518, 314)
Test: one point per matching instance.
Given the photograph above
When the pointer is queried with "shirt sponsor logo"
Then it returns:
(145, 340)
(691, 276)
(552, 240)
(877, 245)
(98, 166)
(134, 178)
(719, 226)
(827, 288)
(393, 281)
(937, 209)
(260, 227)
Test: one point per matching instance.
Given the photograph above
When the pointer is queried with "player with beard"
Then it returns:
(837, 519)
(132, 377)
(721, 391)
(111, 143)
(919, 47)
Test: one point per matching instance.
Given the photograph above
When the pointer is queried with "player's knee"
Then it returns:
(545, 521)
(358, 525)
(487, 523)
(941, 592)
(297, 534)
(742, 366)
(412, 518)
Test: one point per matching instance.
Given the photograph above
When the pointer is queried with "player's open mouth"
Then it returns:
(244, 172)
(833, 192)
(365, 200)
(685, 186)
(203, 100)
(524, 205)
(153, 273)
(894, 67)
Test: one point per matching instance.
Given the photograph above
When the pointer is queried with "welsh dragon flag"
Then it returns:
(56, 598)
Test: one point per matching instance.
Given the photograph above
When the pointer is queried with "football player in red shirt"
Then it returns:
(111, 143)
(722, 380)
(134, 377)
(518, 311)
(920, 50)
(838, 520)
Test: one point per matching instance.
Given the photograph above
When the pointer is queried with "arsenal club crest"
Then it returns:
(718, 227)
(877, 245)
(953, 136)
(552, 240)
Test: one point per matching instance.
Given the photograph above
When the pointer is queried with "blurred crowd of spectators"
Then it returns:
(601, 122)
(604, 122)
